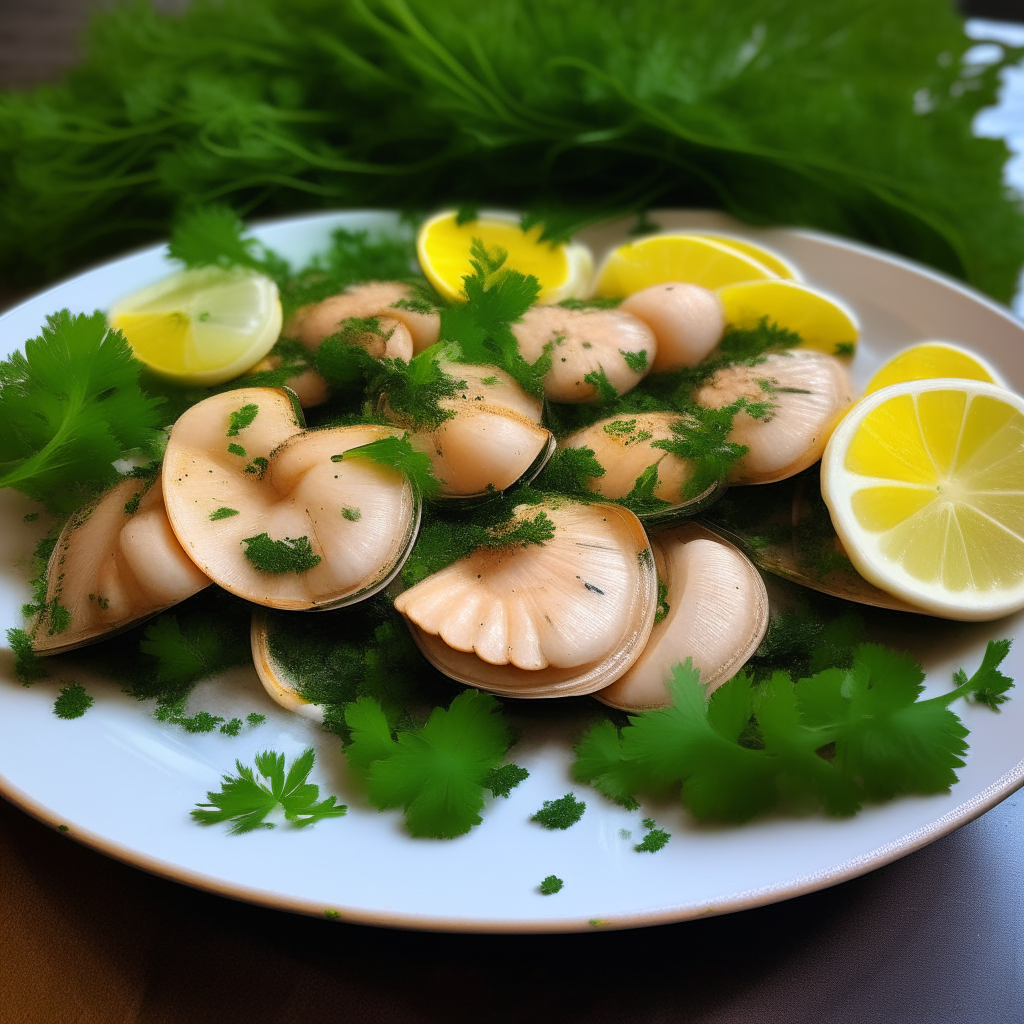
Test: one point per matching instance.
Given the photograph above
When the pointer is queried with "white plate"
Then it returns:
(124, 783)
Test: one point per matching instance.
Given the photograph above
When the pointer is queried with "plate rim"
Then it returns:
(744, 899)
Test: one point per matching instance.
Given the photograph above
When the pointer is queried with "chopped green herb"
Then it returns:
(489, 381)
(30, 517)
(223, 513)
(641, 499)
(58, 617)
(497, 297)
(28, 666)
(73, 701)
(663, 606)
(467, 213)
(599, 381)
(398, 453)
(237, 449)
(437, 773)
(988, 685)
(569, 471)
(417, 305)
(69, 408)
(501, 781)
(353, 515)
(131, 506)
(254, 719)
(624, 833)
(592, 303)
(636, 361)
(276, 557)
(655, 840)
(562, 813)
(331, 914)
(835, 739)
(246, 801)
(212, 236)
(844, 348)
(551, 885)
(232, 728)
(242, 418)
(257, 467)
(521, 534)
(200, 722)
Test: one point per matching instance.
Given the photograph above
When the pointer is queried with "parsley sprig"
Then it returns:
(834, 740)
(246, 801)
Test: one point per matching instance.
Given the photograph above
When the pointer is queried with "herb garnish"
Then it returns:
(438, 773)
(246, 801)
(398, 453)
(655, 840)
(242, 418)
(223, 513)
(276, 557)
(835, 739)
(562, 813)
(550, 885)
(69, 408)
(73, 701)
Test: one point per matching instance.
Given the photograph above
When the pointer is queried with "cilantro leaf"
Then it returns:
(988, 685)
(561, 814)
(73, 701)
(497, 297)
(69, 408)
(437, 773)
(833, 740)
(246, 801)
(501, 781)
(397, 453)
(213, 236)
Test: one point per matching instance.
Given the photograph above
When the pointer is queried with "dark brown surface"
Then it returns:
(937, 937)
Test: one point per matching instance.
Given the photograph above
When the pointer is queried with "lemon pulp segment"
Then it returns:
(926, 489)
(201, 326)
(822, 322)
(660, 259)
(772, 260)
(443, 247)
(929, 360)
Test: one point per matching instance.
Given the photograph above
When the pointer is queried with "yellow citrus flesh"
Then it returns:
(929, 360)
(443, 247)
(201, 326)
(822, 322)
(925, 484)
(660, 259)
(776, 263)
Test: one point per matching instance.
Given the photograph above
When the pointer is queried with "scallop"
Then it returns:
(273, 514)
(807, 392)
(276, 681)
(311, 324)
(585, 341)
(565, 617)
(115, 563)
(492, 439)
(716, 614)
(687, 321)
(624, 447)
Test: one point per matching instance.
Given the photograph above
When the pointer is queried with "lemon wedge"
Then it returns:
(821, 321)
(932, 359)
(201, 326)
(691, 259)
(443, 245)
(925, 484)
(772, 260)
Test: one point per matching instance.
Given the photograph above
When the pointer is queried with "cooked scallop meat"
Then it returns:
(687, 321)
(273, 514)
(716, 612)
(624, 447)
(583, 342)
(800, 394)
(566, 616)
(493, 438)
(390, 299)
(115, 563)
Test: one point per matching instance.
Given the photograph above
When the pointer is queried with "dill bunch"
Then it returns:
(779, 111)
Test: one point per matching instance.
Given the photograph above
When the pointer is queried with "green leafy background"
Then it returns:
(779, 111)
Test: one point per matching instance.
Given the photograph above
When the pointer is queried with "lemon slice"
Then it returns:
(564, 271)
(933, 359)
(659, 259)
(201, 326)
(925, 484)
(772, 260)
(821, 321)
